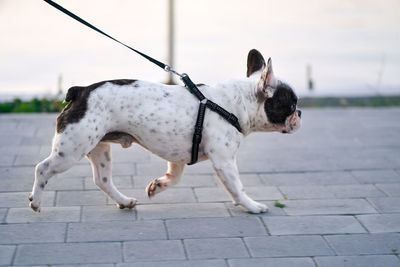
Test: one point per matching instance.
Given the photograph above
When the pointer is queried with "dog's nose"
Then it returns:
(299, 113)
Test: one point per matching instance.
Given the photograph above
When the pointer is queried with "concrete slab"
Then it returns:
(340, 185)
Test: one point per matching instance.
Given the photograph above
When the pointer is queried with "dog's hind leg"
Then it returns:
(172, 177)
(55, 163)
(100, 159)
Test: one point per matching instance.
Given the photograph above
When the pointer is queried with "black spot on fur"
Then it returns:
(104, 179)
(61, 154)
(42, 185)
(102, 165)
(255, 62)
(281, 105)
(77, 97)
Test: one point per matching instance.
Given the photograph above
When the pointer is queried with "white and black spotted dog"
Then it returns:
(161, 119)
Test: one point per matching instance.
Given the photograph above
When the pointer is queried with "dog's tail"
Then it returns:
(73, 93)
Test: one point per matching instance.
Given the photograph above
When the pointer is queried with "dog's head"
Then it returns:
(278, 98)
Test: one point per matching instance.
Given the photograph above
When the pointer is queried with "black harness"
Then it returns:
(204, 102)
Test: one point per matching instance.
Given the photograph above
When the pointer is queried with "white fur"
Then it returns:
(161, 118)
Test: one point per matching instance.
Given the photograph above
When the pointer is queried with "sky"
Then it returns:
(352, 46)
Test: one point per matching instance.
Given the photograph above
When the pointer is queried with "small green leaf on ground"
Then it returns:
(279, 205)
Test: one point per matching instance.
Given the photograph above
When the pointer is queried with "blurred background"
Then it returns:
(321, 48)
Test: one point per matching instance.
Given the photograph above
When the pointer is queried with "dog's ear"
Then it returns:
(255, 62)
(267, 83)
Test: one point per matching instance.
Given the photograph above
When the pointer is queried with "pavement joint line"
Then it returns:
(374, 206)
(122, 252)
(66, 233)
(380, 190)
(329, 244)
(166, 229)
(362, 225)
(81, 214)
(265, 225)
(246, 247)
(14, 255)
(184, 249)
(315, 262)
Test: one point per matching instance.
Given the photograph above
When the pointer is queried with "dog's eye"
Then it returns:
(293, 108)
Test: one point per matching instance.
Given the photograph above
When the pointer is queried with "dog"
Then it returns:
(161, 119)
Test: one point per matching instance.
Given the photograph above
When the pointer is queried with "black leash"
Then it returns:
(204, 102)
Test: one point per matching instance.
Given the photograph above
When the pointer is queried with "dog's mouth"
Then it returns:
(292, 123)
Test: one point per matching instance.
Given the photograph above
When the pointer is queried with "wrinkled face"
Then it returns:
(280, 102)
(281, 109)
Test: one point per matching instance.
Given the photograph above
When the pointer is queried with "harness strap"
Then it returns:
(204, 102)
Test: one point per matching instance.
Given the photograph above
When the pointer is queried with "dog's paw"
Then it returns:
(34, 207)
(131, 204)
(256, 207)
(154, 187)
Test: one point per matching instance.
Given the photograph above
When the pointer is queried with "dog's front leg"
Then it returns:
(228, 174)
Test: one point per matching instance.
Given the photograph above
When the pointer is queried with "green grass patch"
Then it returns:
(279, 205)
(34, 105)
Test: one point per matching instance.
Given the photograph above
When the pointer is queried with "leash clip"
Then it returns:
(168, 68)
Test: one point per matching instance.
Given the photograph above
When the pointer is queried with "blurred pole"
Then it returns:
(171, 40)
(310, 83)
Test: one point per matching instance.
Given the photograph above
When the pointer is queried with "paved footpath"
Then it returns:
(339, 178)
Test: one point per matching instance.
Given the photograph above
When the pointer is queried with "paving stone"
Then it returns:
(204, 167)
(47, 214)
(287, 246)
(364, 244)
(153, 250)
(327, 207)
(359, 261)
(6, 254)
(312, 225)
(386, 204)
(272, 262)
(121, 182)
(309, 178)
(377, 176)
(169, 196)
(381, 223)
(190, 263)
(215, 227)
(107, 213)
(7, 160)
(116, 231)
(78, 198)
(215, 248)
(67, 253)
(154, 169)
(219, 194)
(70, 183)
(392, 190)
(188, 180)
(239, 211)
(32, 233)
(85, 170)
(181, 210)
(342, 191)
(20, 199)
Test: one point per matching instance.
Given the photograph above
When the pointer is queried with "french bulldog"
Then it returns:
(161, 119)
